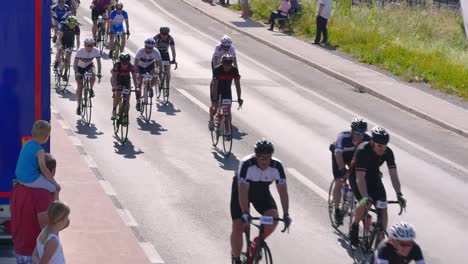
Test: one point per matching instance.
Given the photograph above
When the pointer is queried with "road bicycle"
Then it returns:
(222, 122)
(117, 46)
(62, 73)
(146, 99)
(86, 102)
(369, 234)
(262, 253)
(347, 206)
(102, 36)
(122, 120)
(162, 88)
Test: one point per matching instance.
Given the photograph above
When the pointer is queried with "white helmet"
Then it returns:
(89, 40)
(402, 231)
(226, 41)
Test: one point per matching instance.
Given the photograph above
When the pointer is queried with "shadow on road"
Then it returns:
(167, 108)
(127, 150)
(231, 163)
(151, 126)
(343, 239)
(90, 131)
(237, 134)
(66, 94)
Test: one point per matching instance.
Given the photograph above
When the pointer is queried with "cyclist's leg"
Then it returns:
(267, 207)
(93, 79)
(338, 184)
(237, 225)
(79, 85)
(378, 194)
(123, 41)
(94, 17)
(57, 56)
(153, 72)
(168, 75)
(111, 41)
(117, 95)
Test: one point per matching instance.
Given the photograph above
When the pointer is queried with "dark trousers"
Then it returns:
(321, 29)
(273, 16)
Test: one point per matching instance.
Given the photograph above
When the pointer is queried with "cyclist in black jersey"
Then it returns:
(251, 185)
(69, 31)
(163, 41)
(342, 153)
(365, 179)
(400, 248)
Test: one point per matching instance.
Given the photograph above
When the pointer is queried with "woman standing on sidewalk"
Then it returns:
(49, 248)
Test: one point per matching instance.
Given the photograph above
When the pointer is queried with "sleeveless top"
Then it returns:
(58, 257)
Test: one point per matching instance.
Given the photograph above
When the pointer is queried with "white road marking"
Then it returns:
(63, 124)
(107, 187)
(407, 141)
(88, 20)
(127, 217)
(308, 183)
(194, 100)
(90, 161)
(151, 253)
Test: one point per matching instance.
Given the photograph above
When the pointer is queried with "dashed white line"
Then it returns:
(193, 99)
(107, 187)
(151, 253)
(314, 187)
(127, 217)
(88, 20)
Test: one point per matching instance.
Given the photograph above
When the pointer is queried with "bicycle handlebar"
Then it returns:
(274, 219)
(401, 207)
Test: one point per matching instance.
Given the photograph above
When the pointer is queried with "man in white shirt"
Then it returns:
(323, 15)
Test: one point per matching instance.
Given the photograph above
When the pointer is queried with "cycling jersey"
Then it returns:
(259, 179)
(145, 59)
(85, 58)
(345, 145)
(118, 20)
(123, 74)
(368, 161)
(68, 37)
(224, 81)
(60, 13)
(387, 254)
(101, 5)
(219, 52)
(163, 45)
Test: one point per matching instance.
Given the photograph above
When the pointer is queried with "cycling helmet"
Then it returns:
(89, 40)
(61, 2)
(227, 59)
(164, 30)
(124, 57)
(150, 42)
(119, 6)
(226, 41)
(264, 146)
(402, 231)
(380, 135)
(358, 125)
(72, 20)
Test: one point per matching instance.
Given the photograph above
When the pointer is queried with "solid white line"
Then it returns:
(127, 217)
(194, 100)
(88, 20)
(107, 187)
(90, 161)
(308, 183)
(407, 141)
(151, 253)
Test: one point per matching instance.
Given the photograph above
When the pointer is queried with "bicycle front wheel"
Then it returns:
(227, 137)
(124, 126)
(264, 256)
(86, 106)
(146, 105)
(160, 87)
(331, 204)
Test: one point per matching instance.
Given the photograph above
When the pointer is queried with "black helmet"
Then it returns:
(124, 57)
(227, 59)
(358, 125)
(380, 135)
(164, 30)
(264, 146)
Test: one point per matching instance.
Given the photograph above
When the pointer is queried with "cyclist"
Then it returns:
(66, 39)
(400, 248)
(342, 153)
(163, 41)
(224, 47)
(366, 182)
(222, 81)
(121, 79)
(59, 13)
(117, 18)
(146, 60)
(98, 8)
(73, 6)
(84, 63)
(251, 185)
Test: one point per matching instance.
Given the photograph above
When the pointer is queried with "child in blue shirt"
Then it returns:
(31, 169)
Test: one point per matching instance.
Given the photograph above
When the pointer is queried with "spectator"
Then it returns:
(31, 161)
(323, 15)
(29, 215)
(282, 12)
(48, 248)
(222, 2)
(245, 8)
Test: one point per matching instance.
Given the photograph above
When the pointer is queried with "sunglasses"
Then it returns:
(227, 63)
(148, 47)
(405, 243)
(89, 46)
(263, 157)
(226, 47)
(358, 133)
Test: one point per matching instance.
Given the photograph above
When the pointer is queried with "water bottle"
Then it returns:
(367, 222)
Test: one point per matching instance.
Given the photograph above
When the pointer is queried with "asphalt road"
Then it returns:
(177, 186)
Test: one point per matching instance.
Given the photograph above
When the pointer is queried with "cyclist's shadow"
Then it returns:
(167, 108)
(237, 134)
(90, 131)
(231, 163)
(66, 94)
(343, 239)
(151, 126)
(127, 150)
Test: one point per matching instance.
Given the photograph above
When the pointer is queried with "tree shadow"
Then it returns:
(90, 131)
(167, 108)
(230, 163)
(127, 149)
(151, 126)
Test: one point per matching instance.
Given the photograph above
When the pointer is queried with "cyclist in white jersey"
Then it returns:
(146, 60)
(224, 47)
(84, 63)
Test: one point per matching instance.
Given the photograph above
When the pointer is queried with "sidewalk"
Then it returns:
(398, 93)
(97, 234)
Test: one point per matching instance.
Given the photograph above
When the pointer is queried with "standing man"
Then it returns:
(323, 15)
(29, 215)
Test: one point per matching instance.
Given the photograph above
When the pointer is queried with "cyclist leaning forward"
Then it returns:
(84, 63)
(66, 37)
(163, 41)
(146, 60)
(120, 80)
(222, 81)
(252, 185)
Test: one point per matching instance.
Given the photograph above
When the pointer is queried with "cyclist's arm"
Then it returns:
(75, 64)
(127, 26)
(284, 197)
(339, 159)
(244, 196)
(395, 180)
(135, 62)
(78, 42)
(173, 52)
(238, 88)
(361, 182)
(159, 63)
(114, 79)
(99, 64)
(59, 37)
(133, 73)
(214, 88)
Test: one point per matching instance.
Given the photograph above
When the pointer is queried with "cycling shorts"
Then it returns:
(375, 190)
(89, 68)
(143, 70)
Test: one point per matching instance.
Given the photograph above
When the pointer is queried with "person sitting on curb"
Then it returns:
(283, 11)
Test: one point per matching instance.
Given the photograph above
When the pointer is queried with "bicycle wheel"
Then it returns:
(100, 43)
(146, 105)
(362, 253)
(165, 95)
(115, 56)
(66, 75)
(215, 132)
(160, 86)
(331, 204)
(123, 117)
(264, 256)
(227, 137)
(86, 106)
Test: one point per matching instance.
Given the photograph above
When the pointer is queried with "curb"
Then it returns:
(362, 88)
